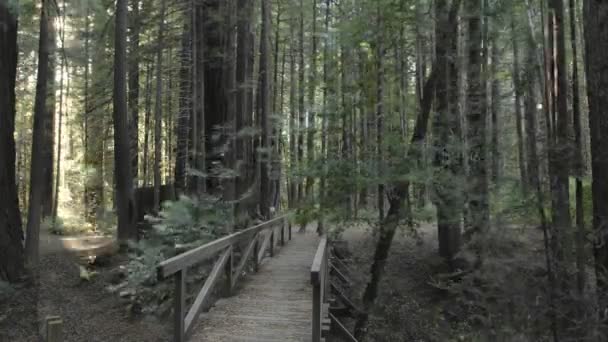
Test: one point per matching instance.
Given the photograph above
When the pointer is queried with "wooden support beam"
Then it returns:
(244, 258)
(228, 271)
(203, 295)
(179, 304)
(342, 329)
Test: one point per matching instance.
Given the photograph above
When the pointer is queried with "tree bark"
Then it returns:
(312, 86)
(37, 171)
(11, 234)
(264, 110)
(127, 230)
(561, 146)
(448, 195)
(578, 157)
(517, 86)
(596, 62)
(134, 88)
(477, 194)
(158, 110)
(380, 51)
(301, 106)
(49, 128)
(183, 119)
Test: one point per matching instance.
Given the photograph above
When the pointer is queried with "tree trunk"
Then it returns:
(147, 115)
(264, 110)
(134, 88)
(183, 119)
(477, 194)
(48, 155)
(517, 86)
(578, 157)
(448, 195)
(60, 123)
(323, 180)
(380, 51)
(301, 107)
(561, 146)
(312, 86)
(37, 172)
(158, 110)
(11, 234)
(596, 62)
(495, 108)
(293, 189)
(127, 230)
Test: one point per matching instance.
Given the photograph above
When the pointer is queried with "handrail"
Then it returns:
(177, 267)
(318, 278)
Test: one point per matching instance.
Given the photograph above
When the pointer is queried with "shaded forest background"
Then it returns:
(485, 118)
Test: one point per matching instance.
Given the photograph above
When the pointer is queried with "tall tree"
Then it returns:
(183, 118)
(518, 86)
(596, 48)
(561, 143)
(48, 155)
(476, 110)
(158, 107)
(380, 52)
(312, 84)
(448, 195)
(133, 98)
(11, 234)
(578, 155)
(301, 97)
(264, 110)
(127, 230)
(37, 171)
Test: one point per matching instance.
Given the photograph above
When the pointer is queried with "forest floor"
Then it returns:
(410, 305)
(88, 310)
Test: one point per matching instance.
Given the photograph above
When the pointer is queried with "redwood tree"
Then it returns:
(596, 55)
(122, 161)
(11, 235)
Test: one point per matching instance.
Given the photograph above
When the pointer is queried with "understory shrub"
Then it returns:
(181, 225)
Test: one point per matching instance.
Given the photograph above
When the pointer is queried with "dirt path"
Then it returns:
(88, 310)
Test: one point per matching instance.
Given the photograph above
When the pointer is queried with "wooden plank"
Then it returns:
(179, 304)
(205, 292)
(273, 305)
(244, 258)
(318, 261)
(262, 251)
(193, 256)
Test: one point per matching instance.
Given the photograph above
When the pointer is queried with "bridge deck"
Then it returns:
(272, 305)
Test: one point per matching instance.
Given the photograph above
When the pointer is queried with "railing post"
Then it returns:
(256, 251)
(283, 233)
(272, 242)
(289, 231)
(54, 327)
(228, 270)
(316, 312)
(179, 305)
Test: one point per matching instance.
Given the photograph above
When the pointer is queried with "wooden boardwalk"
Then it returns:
(272, 305)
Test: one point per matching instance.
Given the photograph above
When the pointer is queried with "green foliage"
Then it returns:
(181, 225)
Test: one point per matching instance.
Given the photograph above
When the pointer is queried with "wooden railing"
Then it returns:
(224, 247)
(319, 278)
